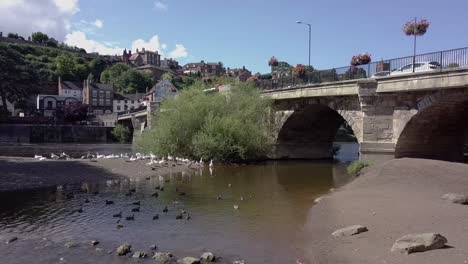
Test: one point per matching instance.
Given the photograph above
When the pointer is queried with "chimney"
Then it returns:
(143, 49)
(60, 86)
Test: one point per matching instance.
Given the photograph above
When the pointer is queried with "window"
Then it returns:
(101, 102)
(126, 101)
(131, 101)
(108, 102)
(108, 95)
(101, 94)
(94, 94)
(118, 108)
(49, 104)
(94, 101)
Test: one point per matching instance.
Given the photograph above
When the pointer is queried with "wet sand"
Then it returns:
(27, 173)
(396, 198)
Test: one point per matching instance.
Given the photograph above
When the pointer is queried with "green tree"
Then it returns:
(17, 78)
(121, 133)
(126, 79)
(39, 38)
(283, 67)
(52, 43)
(224, 127)
(97, 66)
(65, 67)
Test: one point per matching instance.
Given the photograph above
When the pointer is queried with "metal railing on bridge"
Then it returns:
(446, 59)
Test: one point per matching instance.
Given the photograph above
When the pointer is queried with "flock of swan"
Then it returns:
(154, 160)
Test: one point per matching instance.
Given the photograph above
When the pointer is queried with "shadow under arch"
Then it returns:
(309, 133)
(438, 131)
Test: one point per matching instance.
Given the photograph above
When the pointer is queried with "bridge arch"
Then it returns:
(307, 129)
(437, 128)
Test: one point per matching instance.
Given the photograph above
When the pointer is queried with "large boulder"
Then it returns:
(162, 257)
(456, 198)
(208, 257)
(350, 231)
(418, 243)
(124, 249)
(188, 260)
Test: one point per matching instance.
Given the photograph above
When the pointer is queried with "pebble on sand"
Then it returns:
(350, 231)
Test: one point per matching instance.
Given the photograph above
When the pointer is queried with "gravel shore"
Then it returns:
(28, 173)
(393, 199)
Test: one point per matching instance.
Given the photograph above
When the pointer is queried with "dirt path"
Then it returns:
(393, 199)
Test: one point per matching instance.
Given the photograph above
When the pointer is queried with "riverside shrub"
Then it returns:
(356, 167)
(224, 127)
(121, 133)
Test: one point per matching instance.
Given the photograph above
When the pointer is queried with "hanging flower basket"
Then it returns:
(361, 59)
(273, 62)
(416, 28)
(299, 71)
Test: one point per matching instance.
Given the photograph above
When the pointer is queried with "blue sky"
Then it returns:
(249, 32)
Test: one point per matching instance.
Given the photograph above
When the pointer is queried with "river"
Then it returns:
(274, 200)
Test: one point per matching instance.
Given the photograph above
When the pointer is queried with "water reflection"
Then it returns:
(274, 199)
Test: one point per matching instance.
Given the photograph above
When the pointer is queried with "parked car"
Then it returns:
(419, 67)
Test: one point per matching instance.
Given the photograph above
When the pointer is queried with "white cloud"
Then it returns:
(163, 46)
(153, 44)
(98, 23)
(49, 16)
(67, 6)
(179, 52)
(79, 39)
(160, 5)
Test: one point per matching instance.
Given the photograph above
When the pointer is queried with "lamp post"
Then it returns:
(310, 29)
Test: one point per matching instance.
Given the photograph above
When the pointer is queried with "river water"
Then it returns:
(274, 202)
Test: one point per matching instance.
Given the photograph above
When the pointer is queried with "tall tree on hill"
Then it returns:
(65, 67)
(39, 38)
(97, 66)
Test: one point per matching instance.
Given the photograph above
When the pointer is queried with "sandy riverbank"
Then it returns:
(396, 198)
(27, 173)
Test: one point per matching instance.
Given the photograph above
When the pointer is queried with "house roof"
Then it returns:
(134, 97)
(134, 56)
(72, 85)
(101, 86)
(163, 89)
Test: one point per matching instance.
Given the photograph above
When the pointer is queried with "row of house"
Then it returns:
(100, 99)
(151, 63)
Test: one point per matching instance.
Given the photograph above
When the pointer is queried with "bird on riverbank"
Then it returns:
(119, 215)
(86, 200)
(109, 202)
(211, 164)
(179, 216)
(219, 197)
(156, 217)
(53, 156)
(130, 217)
(165, 210)
(156, 194)
(236, 207)
(136, 203)
(136, 209)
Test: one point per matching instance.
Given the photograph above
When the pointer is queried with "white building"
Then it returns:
(70, 89)
(127, 102)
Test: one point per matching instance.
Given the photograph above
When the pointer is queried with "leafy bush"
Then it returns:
(224, 127)
(121, 133)
(356, 167)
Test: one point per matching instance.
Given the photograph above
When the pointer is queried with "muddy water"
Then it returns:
(273, 198)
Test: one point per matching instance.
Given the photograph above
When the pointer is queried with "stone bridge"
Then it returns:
(138, 121)
(422, 115)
